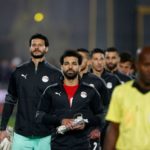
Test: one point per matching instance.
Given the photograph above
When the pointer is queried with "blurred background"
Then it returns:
(124, 24)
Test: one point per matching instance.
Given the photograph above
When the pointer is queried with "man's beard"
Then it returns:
(111, 67)
(37, 56)
(144, 79)
(70, 75)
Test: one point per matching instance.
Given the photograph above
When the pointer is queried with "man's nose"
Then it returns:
(99, 61)
(70, 65)
(37, 47)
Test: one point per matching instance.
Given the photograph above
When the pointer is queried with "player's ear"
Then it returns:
(61, 67)
(46, 49)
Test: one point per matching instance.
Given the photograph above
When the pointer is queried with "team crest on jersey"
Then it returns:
(45, 79)
(109, 85)
(122, 82)
(92, 85)
(83, 94)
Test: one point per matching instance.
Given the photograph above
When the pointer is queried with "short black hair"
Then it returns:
(71, 53)
(126, 56)
(112, 49)
(39, 36)
(97, 50)
(83, 50)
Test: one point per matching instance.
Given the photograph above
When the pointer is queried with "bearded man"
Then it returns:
(62, 102)
(26, 85)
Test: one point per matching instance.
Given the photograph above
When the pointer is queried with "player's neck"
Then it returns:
(113, 70)
(72, 82)
(36, 61)
(98, 73)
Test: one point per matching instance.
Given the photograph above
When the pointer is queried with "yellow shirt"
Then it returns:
(131, 109)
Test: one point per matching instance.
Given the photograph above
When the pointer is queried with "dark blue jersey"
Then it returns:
(99, 84)
(123, 78)
(27, 83)
(111, 81)
(54, 107)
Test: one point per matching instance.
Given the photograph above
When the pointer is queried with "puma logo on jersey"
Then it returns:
(24, 76)
(58, 93)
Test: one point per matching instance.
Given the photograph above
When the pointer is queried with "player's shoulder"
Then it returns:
(126, 86)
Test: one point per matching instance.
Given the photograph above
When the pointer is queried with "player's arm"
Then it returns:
(111, 136)
(44, 111)
(10, 101)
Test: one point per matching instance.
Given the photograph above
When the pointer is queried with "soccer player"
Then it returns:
(26, 85)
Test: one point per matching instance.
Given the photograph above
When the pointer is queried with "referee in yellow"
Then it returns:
(129, 110)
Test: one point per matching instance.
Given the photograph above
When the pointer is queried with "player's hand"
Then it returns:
(79, 126)
(68, 123)
(94, 134)
(3, 134)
